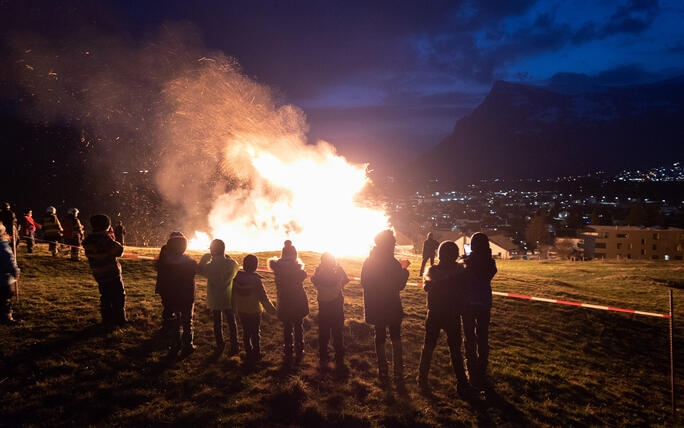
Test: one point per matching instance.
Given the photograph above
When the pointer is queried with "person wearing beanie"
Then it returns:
(102, 252)
(480, 269)
(52, 229)
(445, 288)
(220, 270)
(9, 273)
(383, 277)
(249, 301)
(329, 280)
(292, 302)
(176, 286)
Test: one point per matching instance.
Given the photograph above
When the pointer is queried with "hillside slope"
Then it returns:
(552, 365)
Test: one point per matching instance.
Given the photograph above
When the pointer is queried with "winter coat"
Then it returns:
(329, 282)
(446, 289)
(430, 247)
(175, 278)
(28, 225)
(8, 268)
(292, 301)
(73, 229)
(102, 251)
(480, 269)
(249, 296)
(52, 229)
(382, 278)
(220, 272)
(9, 220)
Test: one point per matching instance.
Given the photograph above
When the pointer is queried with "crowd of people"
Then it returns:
(459, 296)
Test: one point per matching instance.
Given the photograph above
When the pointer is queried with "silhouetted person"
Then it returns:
(429, 249)
(52, 229)
(249, 300)
(28, 230)
(102, 252)
(9, 220)
(446, 297)
(382, 279)
(220, 270)
(9, 273)
(176, 286)
(293, 305)
(329, 280)
(120, 233)
(73, 232)
(480, 269)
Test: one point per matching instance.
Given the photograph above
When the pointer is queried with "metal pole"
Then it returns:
(672, 367)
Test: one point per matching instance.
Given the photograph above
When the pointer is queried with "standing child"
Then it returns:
(249, 300)
(293, 305)
(28, 230)
(9, 273)
(382, 278)
(329, 280)
(480, 269)
(445, 287)
(176, 286)
(102, 251)
(220, 271)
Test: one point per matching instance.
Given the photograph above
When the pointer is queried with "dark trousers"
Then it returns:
(229, 316)
(30, 240)
(331, 322)
(296, 327)
(380, 339)
(112, 300)
(178, 324)
(75, 243)
(476, 330)
(425, 260)
(251, 334)
(434, 324)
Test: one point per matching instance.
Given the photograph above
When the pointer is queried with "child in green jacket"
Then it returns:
(220, 270)
(249, 301)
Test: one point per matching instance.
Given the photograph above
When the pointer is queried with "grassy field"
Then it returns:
(551, 365)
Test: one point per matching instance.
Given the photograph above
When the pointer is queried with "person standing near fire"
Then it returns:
(28, 230)
(52, 229)
(73, 233)
(430, 246)
(120, 233)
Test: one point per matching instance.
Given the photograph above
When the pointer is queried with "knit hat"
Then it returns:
(100, 222)
(289, 251)
(177, 243)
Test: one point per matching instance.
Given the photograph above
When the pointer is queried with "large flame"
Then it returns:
(315, 206)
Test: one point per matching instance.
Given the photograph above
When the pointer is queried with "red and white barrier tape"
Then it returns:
(496, 293)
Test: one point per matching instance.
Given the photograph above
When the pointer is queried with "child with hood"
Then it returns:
(249, 301)
(176, 286)
(480, 268)
(329, 280)
(445, 287)
(102, 251)
(382, 279)
(220, 270)
(293, 304)
(9, 273)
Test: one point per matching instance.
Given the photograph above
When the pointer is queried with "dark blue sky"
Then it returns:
(377, 78)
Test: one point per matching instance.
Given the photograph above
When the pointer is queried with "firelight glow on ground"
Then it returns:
(313, 205)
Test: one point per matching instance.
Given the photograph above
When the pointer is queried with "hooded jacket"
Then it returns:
(175, 276)
(293, 303)
(382, 278)
(249, 296)
(220, 272)
(329, 281)
(446, 288)
(480, 268)
(102, 251)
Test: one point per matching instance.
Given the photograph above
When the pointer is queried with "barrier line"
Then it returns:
(496, 293)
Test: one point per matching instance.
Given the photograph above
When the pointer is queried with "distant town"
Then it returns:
(561, 217)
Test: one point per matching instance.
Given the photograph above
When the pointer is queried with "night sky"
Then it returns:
(379, 78)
